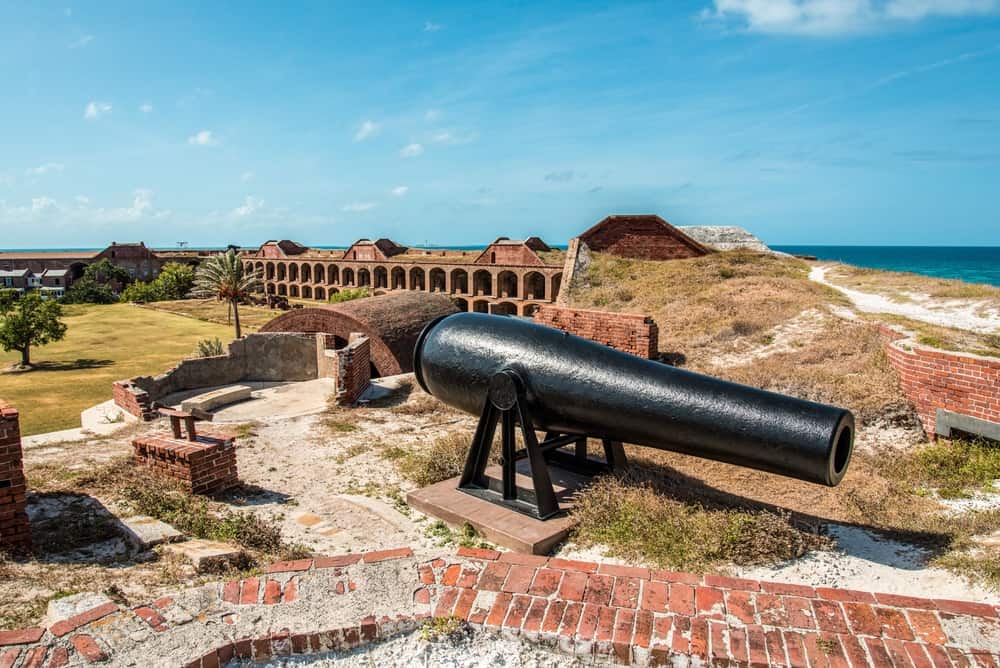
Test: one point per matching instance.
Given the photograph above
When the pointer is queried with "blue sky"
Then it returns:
(805, 121)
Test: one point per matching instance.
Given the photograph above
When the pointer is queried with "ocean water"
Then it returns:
(973, 264)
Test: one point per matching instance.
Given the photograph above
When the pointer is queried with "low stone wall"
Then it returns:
(256, 357)
(629, 332)
(935, 379)
(205, 466)
(15, 532)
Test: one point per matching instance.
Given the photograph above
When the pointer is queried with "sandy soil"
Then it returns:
(961, 313)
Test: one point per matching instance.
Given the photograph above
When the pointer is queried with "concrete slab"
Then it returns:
(269, 401)
(70, 606)
(209, 401)
(205, 555)
(147, 532)
(498, 524)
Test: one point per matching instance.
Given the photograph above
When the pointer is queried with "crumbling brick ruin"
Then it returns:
(15, 531)
(205, 462)
(629, 332)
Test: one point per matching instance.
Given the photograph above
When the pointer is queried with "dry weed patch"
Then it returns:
(637, 521)
(444, 459)
(897, 284)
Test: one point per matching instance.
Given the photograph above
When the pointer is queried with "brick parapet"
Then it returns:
(353, 369)
(629, 332)
(936, 379)
(206, 466)
(15, 529)
(133, 400)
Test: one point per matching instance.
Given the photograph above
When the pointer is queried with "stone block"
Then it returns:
(147, 532)
(206, 555)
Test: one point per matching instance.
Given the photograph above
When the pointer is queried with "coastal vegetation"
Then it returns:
(175, 281)
(103, 343)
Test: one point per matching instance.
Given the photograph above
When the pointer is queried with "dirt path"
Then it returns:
(960, 313)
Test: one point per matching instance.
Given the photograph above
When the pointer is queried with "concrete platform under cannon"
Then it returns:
(498, 524)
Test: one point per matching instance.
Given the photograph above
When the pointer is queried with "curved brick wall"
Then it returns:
(392, 323)
(931, 379)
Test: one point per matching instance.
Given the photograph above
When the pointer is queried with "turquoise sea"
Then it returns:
(973, 264)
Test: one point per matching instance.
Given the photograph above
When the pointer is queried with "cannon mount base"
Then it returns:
(506, 405)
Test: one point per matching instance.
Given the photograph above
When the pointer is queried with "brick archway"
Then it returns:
(392, 323)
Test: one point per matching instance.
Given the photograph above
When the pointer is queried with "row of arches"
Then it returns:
(506, 284)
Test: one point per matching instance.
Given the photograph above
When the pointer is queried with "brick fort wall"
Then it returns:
(931, 379)
(15, 532)
(629, 332)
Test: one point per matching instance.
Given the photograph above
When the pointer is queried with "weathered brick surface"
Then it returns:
(644, 237)
(932, 379)
(15, 531)
(133, 399)
(629, 332)
(627, 617)
(351, 367)
(205, 466)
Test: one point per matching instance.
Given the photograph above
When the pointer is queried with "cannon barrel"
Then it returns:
(576, 386)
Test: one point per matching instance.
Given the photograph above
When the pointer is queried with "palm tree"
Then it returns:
(224, 277)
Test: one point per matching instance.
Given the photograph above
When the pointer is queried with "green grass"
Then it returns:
(953, 468)
(103, 344)
(252, 318)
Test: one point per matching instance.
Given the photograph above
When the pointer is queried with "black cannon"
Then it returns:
(513, 371)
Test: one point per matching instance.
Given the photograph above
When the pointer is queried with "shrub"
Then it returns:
(444, 459)
(88, 291)
(348, 294)
(142, 292)
(210, 348)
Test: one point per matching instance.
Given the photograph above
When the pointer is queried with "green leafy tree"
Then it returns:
(143, 292)
(105, 272)
(175, 280)
(88, 291)
(224, 277)
(29, 321)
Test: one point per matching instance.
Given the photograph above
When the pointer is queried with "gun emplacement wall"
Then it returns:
(391, 322)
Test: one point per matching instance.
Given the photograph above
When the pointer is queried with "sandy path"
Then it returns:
(960, 313)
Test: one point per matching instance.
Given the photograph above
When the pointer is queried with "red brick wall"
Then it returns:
(518, 254)
(629, 332)
(133, 400)
(15, 532)
(933, 379)
(640, 237)
(353, 369)
(205, 466)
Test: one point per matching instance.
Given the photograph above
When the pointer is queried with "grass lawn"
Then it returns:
(252, 318)
(103, 344)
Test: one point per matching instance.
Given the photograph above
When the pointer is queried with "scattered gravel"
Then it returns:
(477, 649)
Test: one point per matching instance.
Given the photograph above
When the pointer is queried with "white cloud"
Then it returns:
(837, 17)
(450, 138)
(359, 206)
(82, 42)
(430, 26)
(95, 110)
(250, 206)
(365, 130)
(82, 200)
(411, 150)
(203, 138)
(914, 10)
(43, 204)
(80, 212)
(146, 108)
(399, 191)
(432, 115)
(42, 170)
(247, 177)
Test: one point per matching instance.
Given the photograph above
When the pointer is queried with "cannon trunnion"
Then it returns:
(518, 374)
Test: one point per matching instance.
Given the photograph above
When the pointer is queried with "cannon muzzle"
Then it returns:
(574, 387)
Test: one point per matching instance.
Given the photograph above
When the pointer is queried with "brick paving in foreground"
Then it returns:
(619, 614)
